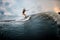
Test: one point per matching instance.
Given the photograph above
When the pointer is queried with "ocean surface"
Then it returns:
(39, 26)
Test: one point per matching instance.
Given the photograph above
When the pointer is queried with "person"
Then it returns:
(23, 13)
(26, 17)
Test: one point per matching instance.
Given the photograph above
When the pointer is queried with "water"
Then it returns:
(37, 27)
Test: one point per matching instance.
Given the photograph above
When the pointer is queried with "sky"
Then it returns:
(15, 7)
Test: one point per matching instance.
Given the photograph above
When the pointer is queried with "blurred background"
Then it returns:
(44, 22)
(14, 7)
